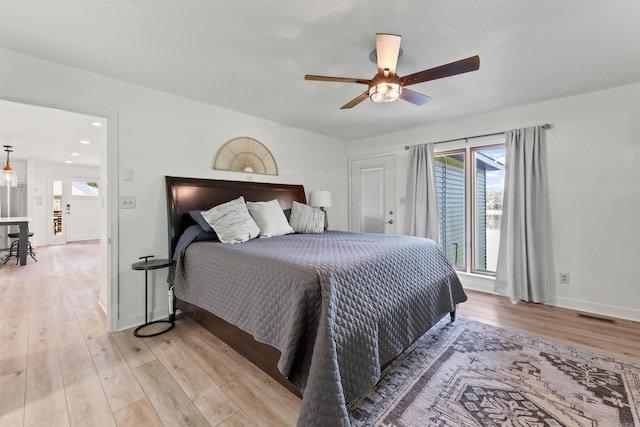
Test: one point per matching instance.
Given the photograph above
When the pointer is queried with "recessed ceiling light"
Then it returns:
(84, 141)
(68, 161)
(96, 124)
(75, 154)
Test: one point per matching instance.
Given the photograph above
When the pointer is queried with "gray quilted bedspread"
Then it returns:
(337, 305)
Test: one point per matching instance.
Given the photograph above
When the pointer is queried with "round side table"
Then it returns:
(147, 265)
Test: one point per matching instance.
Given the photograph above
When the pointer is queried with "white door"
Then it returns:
(82, 209)
(373, 195)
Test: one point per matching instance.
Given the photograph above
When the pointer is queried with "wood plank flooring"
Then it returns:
(60, 367)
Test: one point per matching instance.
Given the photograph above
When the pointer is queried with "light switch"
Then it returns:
(128, 174)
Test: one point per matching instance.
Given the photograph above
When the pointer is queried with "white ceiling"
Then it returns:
(50, 135)
(251, 56)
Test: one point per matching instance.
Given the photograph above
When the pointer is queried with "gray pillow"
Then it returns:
(270, 218)
(193, 233)
(306, 219)
(231, 221)
(196, 215)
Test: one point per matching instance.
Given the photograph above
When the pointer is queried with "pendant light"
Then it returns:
(9, 177)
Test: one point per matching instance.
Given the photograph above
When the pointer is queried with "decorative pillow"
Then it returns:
(199, 219)
(231, 221)
(270, 218)
(306, 219)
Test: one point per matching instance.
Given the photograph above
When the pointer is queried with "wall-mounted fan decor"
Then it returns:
(244, 154)
(387, 86)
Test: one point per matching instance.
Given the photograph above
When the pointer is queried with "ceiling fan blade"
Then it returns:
(414, 97)
(355, 101)
(451, 69)
(387, 50)
(336, 79)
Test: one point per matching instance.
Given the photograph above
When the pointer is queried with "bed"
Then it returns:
(320, 313)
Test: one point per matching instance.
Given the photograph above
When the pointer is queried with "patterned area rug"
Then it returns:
(471, 374)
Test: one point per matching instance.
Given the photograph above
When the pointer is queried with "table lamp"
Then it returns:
(321, 199)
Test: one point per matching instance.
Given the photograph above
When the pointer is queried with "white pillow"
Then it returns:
(231, 221)
(270, 218)
(306, 219)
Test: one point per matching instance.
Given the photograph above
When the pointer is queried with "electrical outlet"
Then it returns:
(127, 202)
(564, 278)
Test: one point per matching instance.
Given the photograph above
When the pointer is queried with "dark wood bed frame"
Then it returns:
(187, 194)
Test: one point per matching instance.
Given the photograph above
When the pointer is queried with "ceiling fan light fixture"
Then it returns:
(385, 92)
(386, 85)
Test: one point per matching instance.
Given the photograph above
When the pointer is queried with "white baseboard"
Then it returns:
(102, 306)
(597, 308)
(160, 313)
(477, 283)
(486, 284)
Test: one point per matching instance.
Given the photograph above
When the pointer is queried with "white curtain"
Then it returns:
(421, 209)
(522, 272)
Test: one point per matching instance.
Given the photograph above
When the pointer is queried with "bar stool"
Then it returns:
(14, 249)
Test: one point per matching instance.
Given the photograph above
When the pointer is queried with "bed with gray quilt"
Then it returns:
(326, 310)
(336, 305)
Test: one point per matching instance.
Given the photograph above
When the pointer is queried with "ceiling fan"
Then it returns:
(387, 86)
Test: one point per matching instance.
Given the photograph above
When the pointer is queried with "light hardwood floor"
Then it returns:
(60, 366)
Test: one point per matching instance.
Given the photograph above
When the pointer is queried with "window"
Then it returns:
(451, 205)
(57, 207)
(469, 183)
(84, 188)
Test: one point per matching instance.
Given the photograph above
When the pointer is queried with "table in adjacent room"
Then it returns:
(23, 241)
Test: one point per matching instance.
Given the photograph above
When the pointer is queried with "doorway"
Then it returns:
(372, 189)
(40, 205)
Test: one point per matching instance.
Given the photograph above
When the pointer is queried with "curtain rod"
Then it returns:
(466, 138)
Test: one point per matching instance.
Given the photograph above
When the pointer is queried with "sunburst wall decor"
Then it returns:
(244, 154)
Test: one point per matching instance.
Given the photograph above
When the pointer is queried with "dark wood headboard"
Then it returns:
(187, 194)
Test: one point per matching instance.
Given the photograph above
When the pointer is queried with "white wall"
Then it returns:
(161, 134)
(593, 157)
(593, 154)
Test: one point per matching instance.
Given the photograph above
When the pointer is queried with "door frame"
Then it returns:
(108, 175)
(393, 188)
